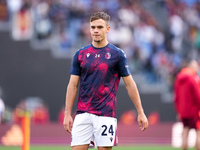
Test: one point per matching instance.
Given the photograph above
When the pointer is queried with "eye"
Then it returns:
(100, 27)
(92, 27)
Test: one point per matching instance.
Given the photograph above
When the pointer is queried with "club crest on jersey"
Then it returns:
(108, 55)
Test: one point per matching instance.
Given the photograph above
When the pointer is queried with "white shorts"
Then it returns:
(89, 128)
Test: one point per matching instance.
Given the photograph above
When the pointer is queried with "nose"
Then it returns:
(96, 30)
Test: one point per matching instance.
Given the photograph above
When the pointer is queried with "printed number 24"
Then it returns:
(110, 130)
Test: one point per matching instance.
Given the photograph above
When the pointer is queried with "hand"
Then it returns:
(142, 121)
(68, 123)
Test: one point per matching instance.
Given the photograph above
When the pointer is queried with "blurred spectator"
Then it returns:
(176, 26)
(4, 11)
(40, 115)
(2, 109)
(8, 115)
(154, 118)
(43, 27)
(19, 112)
(14, 5)
(34, 107)
(128, 117)
(22, 23)
(60, 44)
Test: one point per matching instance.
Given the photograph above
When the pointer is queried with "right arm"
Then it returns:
(135, 97)
(71, 93)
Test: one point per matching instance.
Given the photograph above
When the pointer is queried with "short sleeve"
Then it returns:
(75, 66)
(123, 64)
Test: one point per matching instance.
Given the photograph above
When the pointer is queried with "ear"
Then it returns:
(108, 29)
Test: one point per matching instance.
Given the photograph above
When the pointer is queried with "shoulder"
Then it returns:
(114, 48)
(85, 47)
(82, 49)
(117, 50)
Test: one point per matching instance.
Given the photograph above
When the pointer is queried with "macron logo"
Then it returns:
(88, 54)
(111, 139)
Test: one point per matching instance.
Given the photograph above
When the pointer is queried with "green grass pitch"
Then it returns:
(147, 147)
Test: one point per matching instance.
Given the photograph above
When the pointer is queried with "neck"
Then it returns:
(99, 44)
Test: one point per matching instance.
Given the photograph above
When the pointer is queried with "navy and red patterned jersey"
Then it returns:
(100, 70)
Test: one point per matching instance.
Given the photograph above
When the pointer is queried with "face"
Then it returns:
(194, 65)
(98, 30)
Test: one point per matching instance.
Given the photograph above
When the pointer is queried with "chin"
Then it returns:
(97, 41)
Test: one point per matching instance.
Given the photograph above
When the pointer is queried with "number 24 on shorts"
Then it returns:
(110, 130)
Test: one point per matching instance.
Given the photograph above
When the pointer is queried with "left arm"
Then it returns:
(135, 97)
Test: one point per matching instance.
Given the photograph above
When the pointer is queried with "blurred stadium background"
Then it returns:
(39, 37)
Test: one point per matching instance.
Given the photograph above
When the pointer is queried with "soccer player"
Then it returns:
(187, 101)
(98, 68)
